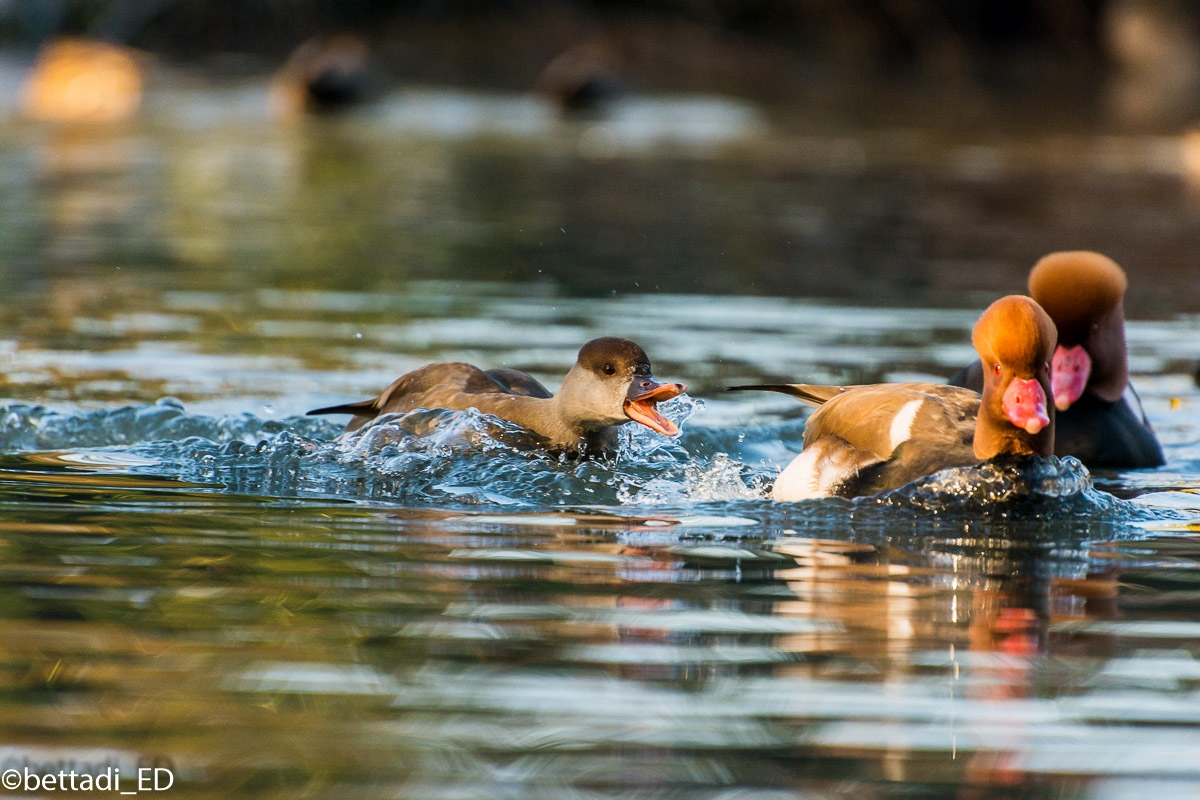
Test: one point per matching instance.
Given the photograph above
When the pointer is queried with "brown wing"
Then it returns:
(878, 418)
(516, 382)
(449, 384)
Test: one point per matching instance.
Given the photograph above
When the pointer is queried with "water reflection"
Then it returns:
(217, 583)
(490, 188)
(436, 654)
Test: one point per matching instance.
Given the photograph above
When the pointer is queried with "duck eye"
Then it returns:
(609, 369)
(996, 369)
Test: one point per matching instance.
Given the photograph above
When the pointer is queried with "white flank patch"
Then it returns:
(799, 479)
(816, 472)
(902, 423)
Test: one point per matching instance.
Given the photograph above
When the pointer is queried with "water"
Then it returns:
(198, 577)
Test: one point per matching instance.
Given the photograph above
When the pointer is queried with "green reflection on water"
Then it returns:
(276, 647)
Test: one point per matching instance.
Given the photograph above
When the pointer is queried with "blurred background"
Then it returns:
(1129, 64)
(165, 165)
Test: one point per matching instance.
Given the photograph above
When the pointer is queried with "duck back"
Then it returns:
(450, 384)
(873, 438)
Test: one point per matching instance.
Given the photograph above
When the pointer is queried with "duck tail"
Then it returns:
(361, 407)
(809, 393)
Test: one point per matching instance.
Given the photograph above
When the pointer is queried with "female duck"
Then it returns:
(867, 439)
(609, 385)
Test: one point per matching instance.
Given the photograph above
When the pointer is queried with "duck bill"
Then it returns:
(643, 397)
(1024, 404)
(1070, 368)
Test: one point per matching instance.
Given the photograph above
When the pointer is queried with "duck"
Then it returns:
(609, 385)
(584, 79)
(324, 74)
(867, 439)
(1083, 292)
(83, 80)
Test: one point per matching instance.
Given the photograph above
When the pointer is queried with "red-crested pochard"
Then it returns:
(1083, 293)
(609, 385)
(867, 439)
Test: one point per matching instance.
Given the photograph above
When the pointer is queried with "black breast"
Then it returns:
(1106, 435)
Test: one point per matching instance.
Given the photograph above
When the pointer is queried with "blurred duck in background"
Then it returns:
(84, 80)
(583, 79)
(324, 74)
(95, 77)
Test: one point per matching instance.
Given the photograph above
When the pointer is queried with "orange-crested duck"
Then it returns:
(867, 439)
(609, 385)
(1083, 292)
(84, 80)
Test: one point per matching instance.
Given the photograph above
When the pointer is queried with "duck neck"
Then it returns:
(997, 437)
(576, 418)
(551, 418)
(542, 415)
(1110, 356)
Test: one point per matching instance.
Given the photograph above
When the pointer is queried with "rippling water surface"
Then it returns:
(194, 574)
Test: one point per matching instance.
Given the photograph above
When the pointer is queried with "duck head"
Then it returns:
(1083, 292)
(1015, 339)
(611, 384)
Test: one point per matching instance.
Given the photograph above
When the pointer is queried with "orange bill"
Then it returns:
(643, 407)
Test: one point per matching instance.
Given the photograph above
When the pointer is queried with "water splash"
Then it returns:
(468, 459)
(424, 457)
(34, 427)
(1028, 488)
(718, 479)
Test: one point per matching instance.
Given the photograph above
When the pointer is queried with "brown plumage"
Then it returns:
(1084, 292)
(609, 385)
(867, 439)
